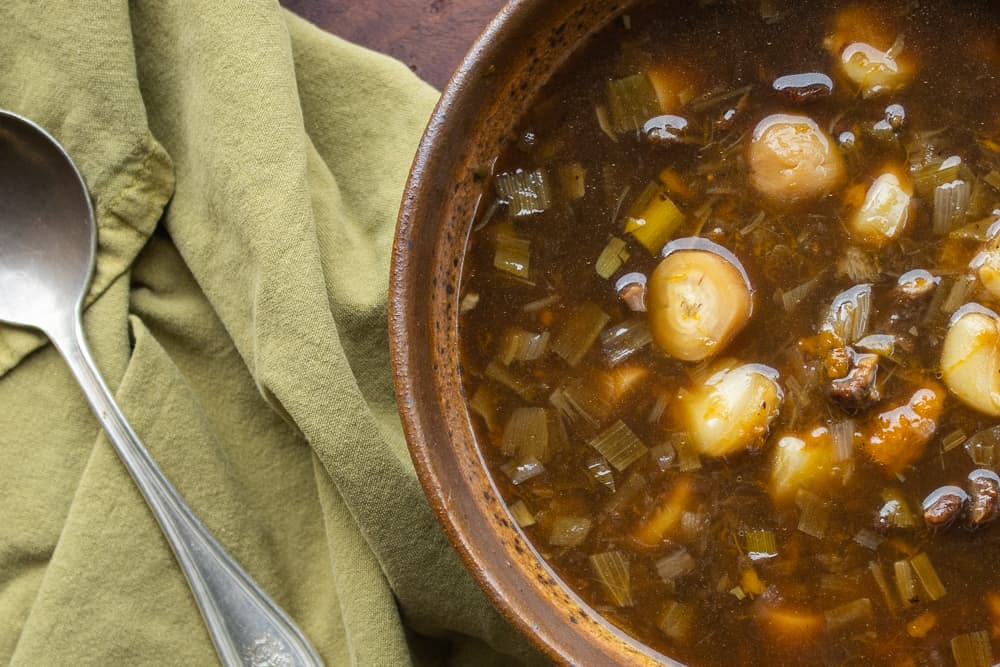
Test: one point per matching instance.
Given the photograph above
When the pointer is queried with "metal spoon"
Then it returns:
(47, 245)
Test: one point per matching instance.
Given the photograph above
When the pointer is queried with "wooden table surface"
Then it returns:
(430, 36)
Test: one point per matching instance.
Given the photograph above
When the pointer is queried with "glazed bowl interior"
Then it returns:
(476, 117)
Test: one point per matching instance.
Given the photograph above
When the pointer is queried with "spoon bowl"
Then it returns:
(47, 249)
(49, 255)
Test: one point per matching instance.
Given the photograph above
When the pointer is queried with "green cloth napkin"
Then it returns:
(246, 169)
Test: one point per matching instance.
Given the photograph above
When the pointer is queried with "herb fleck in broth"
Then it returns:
(717, 339)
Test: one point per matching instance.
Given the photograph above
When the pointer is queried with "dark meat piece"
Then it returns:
(667, 130)
(802, 88)
(631, 290)
(905, 317)
(895, 115)
(984, 487)
(943, 507)
(856, 389)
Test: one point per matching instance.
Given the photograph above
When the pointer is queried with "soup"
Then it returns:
(729, 330)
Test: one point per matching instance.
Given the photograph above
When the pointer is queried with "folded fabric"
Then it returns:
(245, 168)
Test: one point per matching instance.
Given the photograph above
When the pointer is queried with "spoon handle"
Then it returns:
(247, 627)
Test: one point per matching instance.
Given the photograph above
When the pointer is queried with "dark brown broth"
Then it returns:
(729, 46)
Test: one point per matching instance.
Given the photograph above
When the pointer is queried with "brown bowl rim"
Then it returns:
(608, 644)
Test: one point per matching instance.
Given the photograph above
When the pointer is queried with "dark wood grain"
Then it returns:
(431, 36)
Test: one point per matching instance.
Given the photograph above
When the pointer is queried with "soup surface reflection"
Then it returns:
(729, 330)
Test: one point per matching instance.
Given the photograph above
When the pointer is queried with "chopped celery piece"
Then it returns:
(659, 408)
(585, 401)
(926, 179)
(814, 517)
(526, 434)
(654, 218)
(850, 615)
(869, 539)
(951, 204)
(934, 308)
(612, 571)
(521, 345)
(521, 471)
(632, 101)
(849, 314)
(573, 180)
(928, 576)
(676, 620)
(619, 445)
(838, 584)
(982, 200)
(558, 438)
(513, 252)
(601, 472)
(579, 332)
(604, 121)
(993, 179)
(523, 387)
(694, 525)
(858, 266)
(524, 192)
(688, 456)
(486, 403)
(959, 294)
(842, 437)
(522, 514)
(760, 544)
(676, 564)
(975, 231)
(906, 583)
(984, 448)
(794, 296)
(569, 531)
(953, 440)
(611, 258)
(541, 304)
(630, 488)
(896, 510)
(883, 585)
(972, 650)
(623, 340)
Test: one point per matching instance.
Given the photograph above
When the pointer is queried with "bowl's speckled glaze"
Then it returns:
(478, 113)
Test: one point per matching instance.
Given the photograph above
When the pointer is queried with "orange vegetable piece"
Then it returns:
(672, 87)
(626, 379)
(789, 623)
(921, 625)
(666, 516)
(751, 583)
(820, 344)
(898, 436)
(993, 605)
(675, 184)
